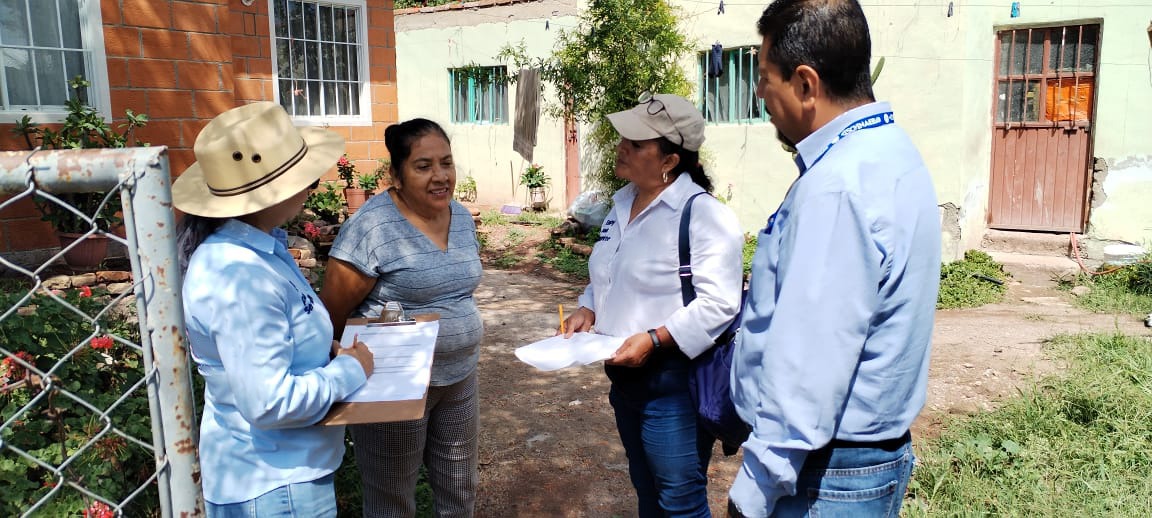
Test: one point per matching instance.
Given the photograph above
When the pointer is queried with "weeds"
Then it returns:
(514, 237)
(1075, 445)
(974, 281)
(491, 218)
(1127, 289)
(538, 218)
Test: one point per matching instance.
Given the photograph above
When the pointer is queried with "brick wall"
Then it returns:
(182, 62)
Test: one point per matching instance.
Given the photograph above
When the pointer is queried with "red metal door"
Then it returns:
(1041, 137)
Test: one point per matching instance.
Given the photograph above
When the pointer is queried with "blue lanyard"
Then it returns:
(869, 122)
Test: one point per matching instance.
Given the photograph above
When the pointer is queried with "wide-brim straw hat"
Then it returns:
(250, 158)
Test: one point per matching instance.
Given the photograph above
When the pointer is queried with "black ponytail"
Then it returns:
(689, 163)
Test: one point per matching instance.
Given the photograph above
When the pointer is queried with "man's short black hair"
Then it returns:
(831, 36)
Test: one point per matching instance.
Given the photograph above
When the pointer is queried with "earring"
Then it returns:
(665, 176)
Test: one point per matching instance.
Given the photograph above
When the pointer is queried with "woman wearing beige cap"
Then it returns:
(259, 333)
(635, 292)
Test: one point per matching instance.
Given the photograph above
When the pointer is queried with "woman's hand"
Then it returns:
(634, 352)
(579, 322)
(360, 351)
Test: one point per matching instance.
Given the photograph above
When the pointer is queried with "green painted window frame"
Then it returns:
(740, 63)
(475, 101)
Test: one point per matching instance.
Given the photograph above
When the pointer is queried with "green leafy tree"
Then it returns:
(619, 50)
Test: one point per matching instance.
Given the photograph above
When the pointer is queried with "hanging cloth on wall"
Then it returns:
(716, 60)
(527, 112)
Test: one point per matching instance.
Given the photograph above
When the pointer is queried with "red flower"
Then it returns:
(99, 510)
(310, 231)
(85, 292)
(103, 342)
(13, 370)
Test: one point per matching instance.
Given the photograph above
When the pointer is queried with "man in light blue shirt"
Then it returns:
(832, 361)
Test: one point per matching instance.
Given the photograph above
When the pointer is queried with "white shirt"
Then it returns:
(633, 268)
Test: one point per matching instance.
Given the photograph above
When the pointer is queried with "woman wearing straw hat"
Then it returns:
(635, 292)
(258, 332)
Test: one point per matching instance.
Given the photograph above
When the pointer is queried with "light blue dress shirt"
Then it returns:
(261, 338)
(837, 327)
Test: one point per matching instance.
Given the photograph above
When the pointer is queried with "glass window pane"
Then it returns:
(50, 77)
(45, 28)
(1036, 51)
(70, 22)
(1068, 38)
(328, 59)
(310, 21)
(298, 69)
(1088, 48)
(1005, 49)
(353, 99)
(314, 98)
(1031, 101)
(20, 84)
(724, 94)
(342, 62)
(339, 24)
(286, 94)
(353, 62)
(312, 58)
(330, 100)
(325, 23)
(13, 22)
(351, 27)
(295, 19)
(284, 58)
(73, 66)
(280, 13)
(1019, 52)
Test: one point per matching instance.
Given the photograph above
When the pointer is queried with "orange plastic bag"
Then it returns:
(1067, 100)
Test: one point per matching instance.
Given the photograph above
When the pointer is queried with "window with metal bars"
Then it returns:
(43, 45)
(731, 97)
(479, 95)
(319, 57)
(1046, 75)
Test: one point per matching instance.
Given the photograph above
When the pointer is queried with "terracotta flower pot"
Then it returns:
(88, 253)
(355, 198)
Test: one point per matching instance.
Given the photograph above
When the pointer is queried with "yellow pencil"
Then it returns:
(561, 306)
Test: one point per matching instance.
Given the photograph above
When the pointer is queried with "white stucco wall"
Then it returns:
(938, 75)
(428, 44)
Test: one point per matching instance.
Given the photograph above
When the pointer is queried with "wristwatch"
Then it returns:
(655, 338)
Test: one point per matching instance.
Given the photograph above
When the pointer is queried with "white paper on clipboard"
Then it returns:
(402, 355)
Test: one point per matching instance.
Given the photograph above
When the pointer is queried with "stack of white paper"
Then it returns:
(403, 359)
(558, 352)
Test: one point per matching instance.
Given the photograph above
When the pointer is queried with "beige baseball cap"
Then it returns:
(662, 115)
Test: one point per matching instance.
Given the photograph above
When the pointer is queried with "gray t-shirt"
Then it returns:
(411, 270)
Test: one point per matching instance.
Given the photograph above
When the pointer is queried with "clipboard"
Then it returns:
(380, 411)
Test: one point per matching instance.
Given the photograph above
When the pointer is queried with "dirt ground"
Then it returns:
(548, 443)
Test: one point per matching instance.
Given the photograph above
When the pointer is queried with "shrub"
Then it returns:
(974, 281)
(325, 203)
(95, 364)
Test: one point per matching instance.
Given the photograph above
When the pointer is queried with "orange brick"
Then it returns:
(117, 72)
(164, 43)
(379, 18)
(195, 75)
(194, 17)
(211, 104)
(179, 159)
(262, 25)
(260, 68)
(358, 151)
(377, 148)
(250, 89)
(169, 104)
(30, 234)
(362, 133)
(146, 13)
(210, 47)
(249, 24)
(245, 46)
(122, 41)
(23, 208)
(190, 129)
(128, 99)
(110, 13)
(160, 133)
(227, 77)
(378, 37)
(234, 22)
(153, 73)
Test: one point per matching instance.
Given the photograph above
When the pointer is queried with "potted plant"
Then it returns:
(83, 128)
(354, 196)
(535, 180)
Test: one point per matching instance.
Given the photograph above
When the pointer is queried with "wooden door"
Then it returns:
(1041, 136)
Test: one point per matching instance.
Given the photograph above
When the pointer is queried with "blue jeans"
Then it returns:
(851, 482)
(306, 499)
(668, 454)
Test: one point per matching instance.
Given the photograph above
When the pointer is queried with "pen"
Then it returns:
(561, 306)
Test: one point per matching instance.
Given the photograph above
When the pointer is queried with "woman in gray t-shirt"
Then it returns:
(415, 245)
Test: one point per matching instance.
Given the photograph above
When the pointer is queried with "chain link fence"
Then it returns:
(96, 407)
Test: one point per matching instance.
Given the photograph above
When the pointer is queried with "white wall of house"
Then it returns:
(938, 74)
(429, 44)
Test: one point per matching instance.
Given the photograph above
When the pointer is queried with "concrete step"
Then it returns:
(1047, 265)
(1028, 243)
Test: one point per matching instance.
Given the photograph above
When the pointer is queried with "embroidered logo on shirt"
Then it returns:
(604, 230)
(308, 303)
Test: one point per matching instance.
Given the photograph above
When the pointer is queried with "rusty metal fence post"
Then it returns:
(142, 177)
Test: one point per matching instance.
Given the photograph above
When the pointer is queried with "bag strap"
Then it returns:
(687, 292)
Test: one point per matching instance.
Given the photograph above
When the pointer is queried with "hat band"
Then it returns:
(272, 175)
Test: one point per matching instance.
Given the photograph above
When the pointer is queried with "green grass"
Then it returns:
(492, 218)
(1077, 444)
(506, 261)
(1124, 290)
(538, 218)
(748, 251)
(514, 237)
(966, 283)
